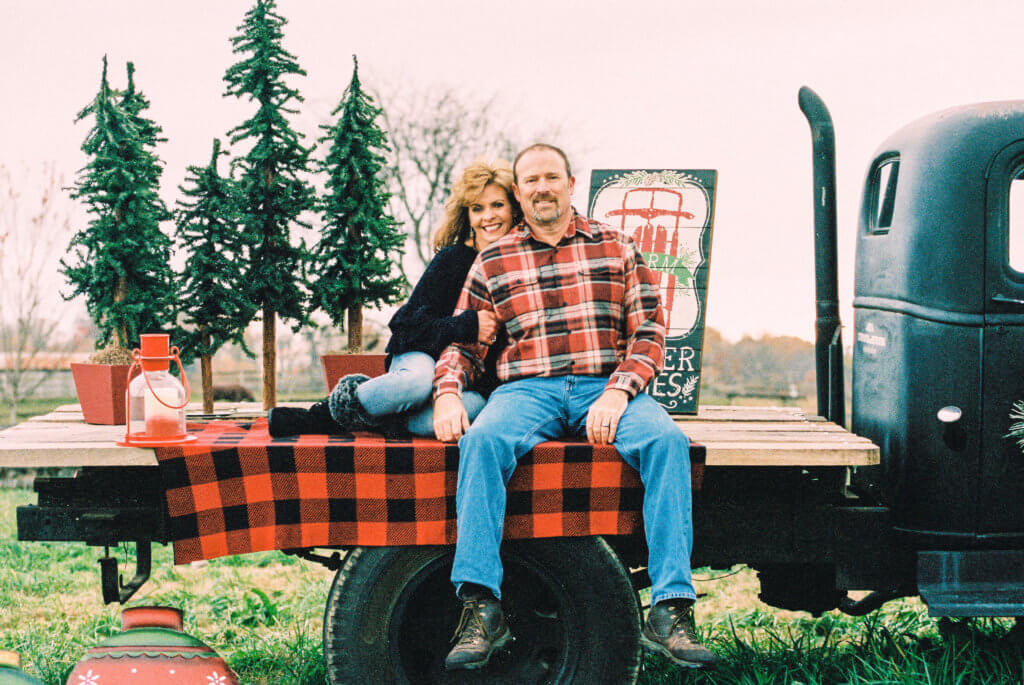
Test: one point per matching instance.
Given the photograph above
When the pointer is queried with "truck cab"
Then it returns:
(937, 350)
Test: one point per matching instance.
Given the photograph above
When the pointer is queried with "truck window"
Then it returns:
(1015, 222)
(883, 194)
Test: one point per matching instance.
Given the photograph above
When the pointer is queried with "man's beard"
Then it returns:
(549, 220)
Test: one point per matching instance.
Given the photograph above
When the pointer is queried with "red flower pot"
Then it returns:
(338, 365)
(100, 389)
(151, 649)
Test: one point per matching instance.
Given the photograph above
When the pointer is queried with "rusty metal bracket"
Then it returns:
(114, 587)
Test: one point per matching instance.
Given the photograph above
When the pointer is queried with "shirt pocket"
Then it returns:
(603, 284)
(519, 306)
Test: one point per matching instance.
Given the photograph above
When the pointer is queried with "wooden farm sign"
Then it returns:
(669, 213)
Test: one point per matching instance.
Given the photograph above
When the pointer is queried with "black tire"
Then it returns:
(391, 612)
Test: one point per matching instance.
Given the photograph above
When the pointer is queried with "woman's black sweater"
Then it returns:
(425, 323)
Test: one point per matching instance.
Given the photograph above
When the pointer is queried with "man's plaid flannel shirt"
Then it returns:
(587, 306)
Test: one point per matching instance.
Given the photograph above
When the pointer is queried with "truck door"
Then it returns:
(1001, 483)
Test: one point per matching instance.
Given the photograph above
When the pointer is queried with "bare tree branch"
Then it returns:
(34, 231)
(434, 132)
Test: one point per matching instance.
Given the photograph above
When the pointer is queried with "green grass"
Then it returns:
(263, 613)
(33, 407)
(897, 644)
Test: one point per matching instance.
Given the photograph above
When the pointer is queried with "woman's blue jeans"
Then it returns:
(523, 413)
(406, 389)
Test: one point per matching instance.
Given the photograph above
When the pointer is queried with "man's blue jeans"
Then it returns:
(406, 389)
(523, 413)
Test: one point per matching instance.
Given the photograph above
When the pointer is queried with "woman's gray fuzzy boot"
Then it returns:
(346, 409)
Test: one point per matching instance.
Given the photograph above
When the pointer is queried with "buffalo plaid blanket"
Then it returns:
(236, 490)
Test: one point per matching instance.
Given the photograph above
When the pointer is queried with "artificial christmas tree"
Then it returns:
(271, 191)
(214, 303)
(360, 244)
(121, 261)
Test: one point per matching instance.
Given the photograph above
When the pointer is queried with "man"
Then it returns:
(586, 334)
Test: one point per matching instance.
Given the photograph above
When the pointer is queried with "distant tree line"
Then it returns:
(768, 363)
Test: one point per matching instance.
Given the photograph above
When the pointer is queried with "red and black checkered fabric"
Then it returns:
(236, 490)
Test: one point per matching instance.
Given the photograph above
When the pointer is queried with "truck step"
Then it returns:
(972, 583)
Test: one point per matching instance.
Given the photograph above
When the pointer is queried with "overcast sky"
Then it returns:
(632, 84)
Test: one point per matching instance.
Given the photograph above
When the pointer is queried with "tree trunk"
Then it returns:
(206, 366)
(122, 330)
(355, 312)
(269, 357)
(355, 330)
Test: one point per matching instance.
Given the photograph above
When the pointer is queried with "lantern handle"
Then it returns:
(137, 355)
(127, 396)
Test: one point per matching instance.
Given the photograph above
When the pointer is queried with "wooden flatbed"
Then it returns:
(731, 435)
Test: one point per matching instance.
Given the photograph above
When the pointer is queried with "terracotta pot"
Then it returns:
(338, 365)
(100, 389)
(11, 673)
(151, 649)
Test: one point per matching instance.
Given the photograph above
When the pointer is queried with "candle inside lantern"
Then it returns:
(161, 421)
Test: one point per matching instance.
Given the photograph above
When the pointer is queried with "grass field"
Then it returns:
(263, 613)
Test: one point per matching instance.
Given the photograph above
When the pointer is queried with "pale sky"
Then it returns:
(643, 84)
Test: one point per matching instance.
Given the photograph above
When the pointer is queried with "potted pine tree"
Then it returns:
(360, 243)
(120, 261)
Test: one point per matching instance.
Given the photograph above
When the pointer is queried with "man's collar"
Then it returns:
(577, 223)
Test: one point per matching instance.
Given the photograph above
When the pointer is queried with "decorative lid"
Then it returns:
(156, 351)
(152, 617)
(153, 629)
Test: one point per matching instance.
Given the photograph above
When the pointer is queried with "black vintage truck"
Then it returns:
(937, 368)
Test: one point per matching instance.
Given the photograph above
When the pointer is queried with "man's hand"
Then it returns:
(487, 327)
(450, 418)
(603, 417)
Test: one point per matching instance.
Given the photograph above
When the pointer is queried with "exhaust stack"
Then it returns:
(828, 344)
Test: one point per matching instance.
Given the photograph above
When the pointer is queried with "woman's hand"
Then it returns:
(450, 418)
(487, 327)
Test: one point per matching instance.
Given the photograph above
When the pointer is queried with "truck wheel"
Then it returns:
(391, 612)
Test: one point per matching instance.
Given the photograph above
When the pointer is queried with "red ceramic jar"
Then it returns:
(151, 650)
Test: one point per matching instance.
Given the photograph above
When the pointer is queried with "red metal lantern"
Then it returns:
(151, 649)
(155, 400)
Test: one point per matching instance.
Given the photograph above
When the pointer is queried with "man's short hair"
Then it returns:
(541, 146)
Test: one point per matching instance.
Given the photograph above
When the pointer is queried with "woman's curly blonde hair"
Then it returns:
(480, 173)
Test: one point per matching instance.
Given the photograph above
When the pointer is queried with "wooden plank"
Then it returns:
(788, 454)
(732, 436)
(762, 426)
(62, 433)
(71, 432)
(755, 438)
(716, 413)
(42, 455)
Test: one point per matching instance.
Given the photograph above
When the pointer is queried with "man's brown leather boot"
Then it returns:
(670, 631)
(482, 631)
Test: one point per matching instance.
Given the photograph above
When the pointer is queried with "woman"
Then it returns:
(480, 211)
